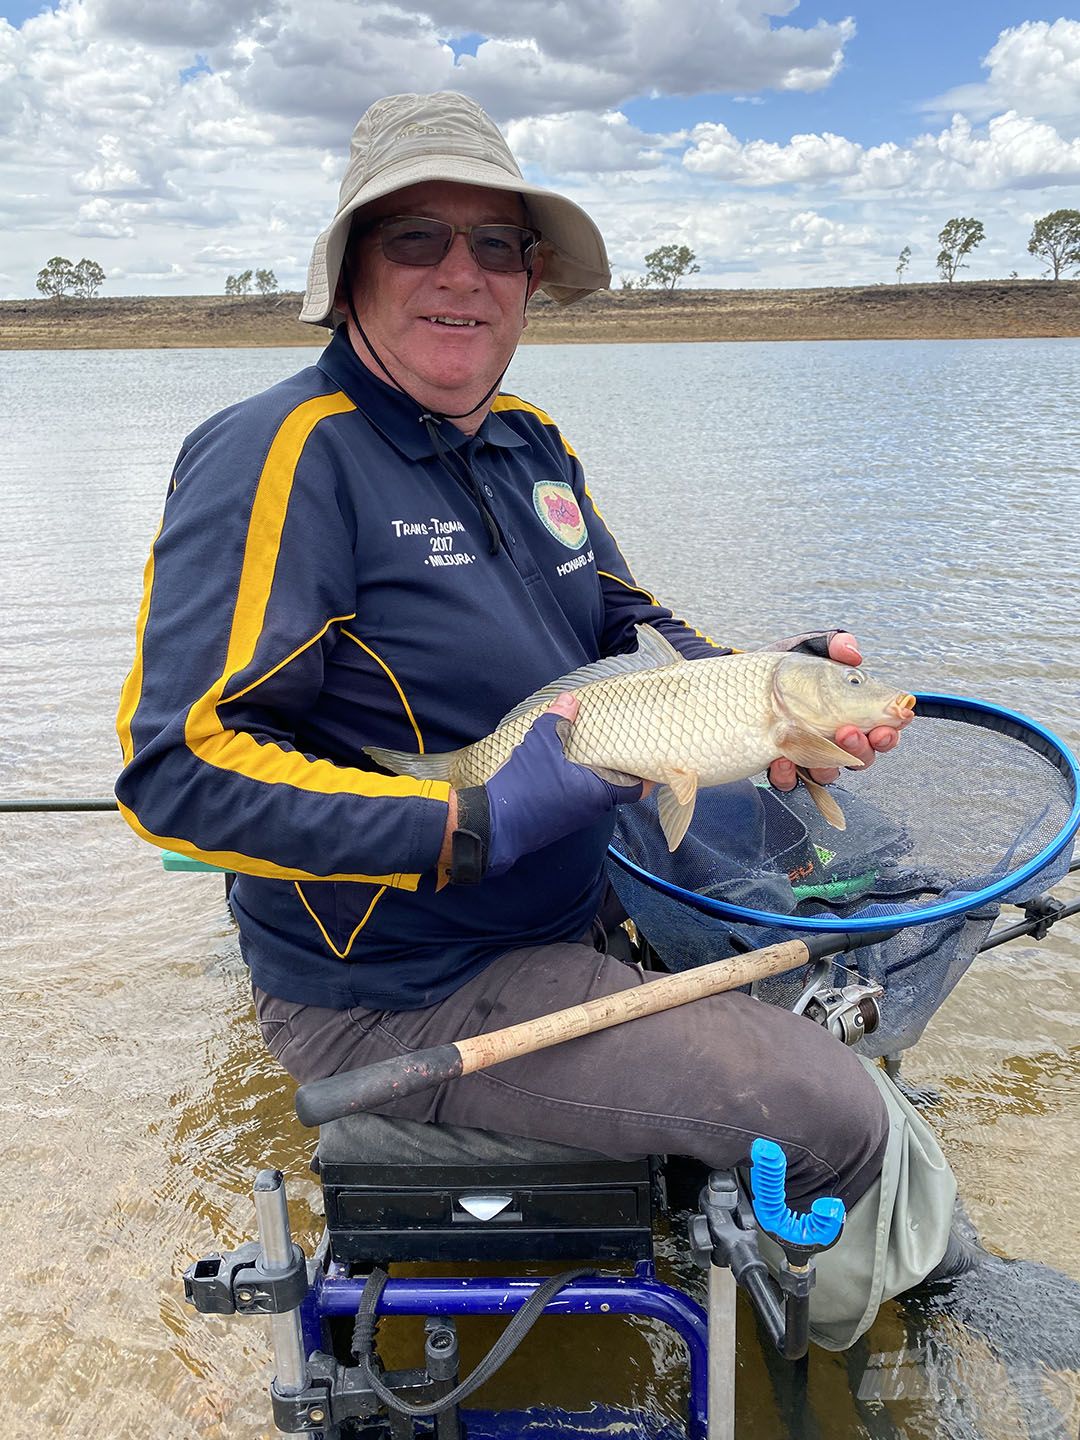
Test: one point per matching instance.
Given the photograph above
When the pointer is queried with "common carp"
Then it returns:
(654, 715)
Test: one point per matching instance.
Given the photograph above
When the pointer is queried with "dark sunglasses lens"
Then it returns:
(409, 240)
(415, 242)
(503, 248)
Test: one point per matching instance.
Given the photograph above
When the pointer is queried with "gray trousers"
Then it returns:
(703, 1080)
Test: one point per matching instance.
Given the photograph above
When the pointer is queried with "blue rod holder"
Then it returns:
(768, 1174)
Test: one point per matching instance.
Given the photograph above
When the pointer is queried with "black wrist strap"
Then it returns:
(815, 642)
(469, 842)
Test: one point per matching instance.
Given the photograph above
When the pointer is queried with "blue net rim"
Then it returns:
(938, 707)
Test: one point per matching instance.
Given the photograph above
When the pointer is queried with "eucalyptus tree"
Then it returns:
(1056, 239)
(667, 264)
(957, 239)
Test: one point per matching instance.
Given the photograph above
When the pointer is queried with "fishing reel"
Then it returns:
(849, 1012)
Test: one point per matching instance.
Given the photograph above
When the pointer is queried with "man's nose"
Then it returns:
(459, 265)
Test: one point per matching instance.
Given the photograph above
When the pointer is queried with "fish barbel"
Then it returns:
(685, 724)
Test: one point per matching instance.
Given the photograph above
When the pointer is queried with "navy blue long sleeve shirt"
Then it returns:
(321, 583)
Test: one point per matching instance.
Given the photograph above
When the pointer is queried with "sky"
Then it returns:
(786, 142)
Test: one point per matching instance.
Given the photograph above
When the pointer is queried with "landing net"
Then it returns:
(978, 807)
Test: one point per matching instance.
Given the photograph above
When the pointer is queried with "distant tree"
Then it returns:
(239, 284)
(957, 239)
(627, 282)
(903, 260)
(266, 282)
(668, 264)
(1056, 239)
(56, 278)
(60, 277)
(87, 278)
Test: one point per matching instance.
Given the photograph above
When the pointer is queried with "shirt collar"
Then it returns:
(392, 413)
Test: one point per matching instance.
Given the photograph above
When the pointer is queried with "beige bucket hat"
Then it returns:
(406, 139)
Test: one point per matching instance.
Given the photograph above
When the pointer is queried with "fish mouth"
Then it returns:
(903, 707)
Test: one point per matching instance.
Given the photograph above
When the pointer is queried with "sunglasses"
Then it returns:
(413, 240)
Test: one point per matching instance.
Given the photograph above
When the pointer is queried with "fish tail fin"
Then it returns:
(420, 767)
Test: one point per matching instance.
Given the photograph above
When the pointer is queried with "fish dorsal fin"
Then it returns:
(655, 650)
(653, 653)
(675, 805)
(420, 767)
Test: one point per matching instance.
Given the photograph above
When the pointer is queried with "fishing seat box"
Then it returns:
(402, 1190)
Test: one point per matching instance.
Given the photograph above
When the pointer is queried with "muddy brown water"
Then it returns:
(925, 494)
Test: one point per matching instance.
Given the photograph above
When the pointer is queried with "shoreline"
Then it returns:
(972, 309)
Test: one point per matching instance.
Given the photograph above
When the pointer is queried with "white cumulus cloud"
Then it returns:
(583, 142)
(1013, 150)
(1034, 68)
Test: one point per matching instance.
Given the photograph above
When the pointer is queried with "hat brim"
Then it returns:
(575, 263)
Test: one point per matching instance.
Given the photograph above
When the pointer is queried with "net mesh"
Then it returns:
(970, 799)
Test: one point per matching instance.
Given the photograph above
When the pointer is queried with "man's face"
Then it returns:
(403, 308)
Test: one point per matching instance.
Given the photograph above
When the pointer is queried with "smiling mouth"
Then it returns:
(451, 321)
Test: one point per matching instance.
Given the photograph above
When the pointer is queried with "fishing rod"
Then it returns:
(37, 806)
(336, 1095)
(1039, 914)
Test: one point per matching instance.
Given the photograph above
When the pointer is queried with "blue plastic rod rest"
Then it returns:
(768, 1173)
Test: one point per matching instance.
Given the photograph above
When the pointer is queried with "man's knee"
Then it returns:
(818, 1102)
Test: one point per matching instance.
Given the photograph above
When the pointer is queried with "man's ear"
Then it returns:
(534, 282)
(347, 275)
(537, 271)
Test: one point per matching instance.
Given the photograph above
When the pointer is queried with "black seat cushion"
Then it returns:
(380, 1140)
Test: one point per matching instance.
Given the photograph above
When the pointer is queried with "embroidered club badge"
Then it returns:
(557, 506)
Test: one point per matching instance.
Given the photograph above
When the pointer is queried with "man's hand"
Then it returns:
(843, 647)
(538, 796)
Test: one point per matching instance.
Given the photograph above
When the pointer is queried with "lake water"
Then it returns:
(927, 495)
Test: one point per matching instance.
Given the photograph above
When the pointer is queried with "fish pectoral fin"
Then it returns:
(826, 803)
(675, 805)
(804, 747)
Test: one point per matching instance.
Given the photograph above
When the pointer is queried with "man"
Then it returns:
(376, 553)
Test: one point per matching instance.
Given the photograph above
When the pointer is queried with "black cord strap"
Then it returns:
(464, 477)
(500, 1352)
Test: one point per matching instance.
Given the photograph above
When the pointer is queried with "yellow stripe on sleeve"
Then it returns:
(252, 865)
(238, 751)
(640, 590)
(131, 693)
(513, 402)
(239, 694)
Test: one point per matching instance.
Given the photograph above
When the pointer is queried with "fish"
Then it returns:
(687, 724)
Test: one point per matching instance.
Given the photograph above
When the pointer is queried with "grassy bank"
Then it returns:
(982, 309)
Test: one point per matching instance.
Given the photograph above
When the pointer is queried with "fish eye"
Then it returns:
(854, 677)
